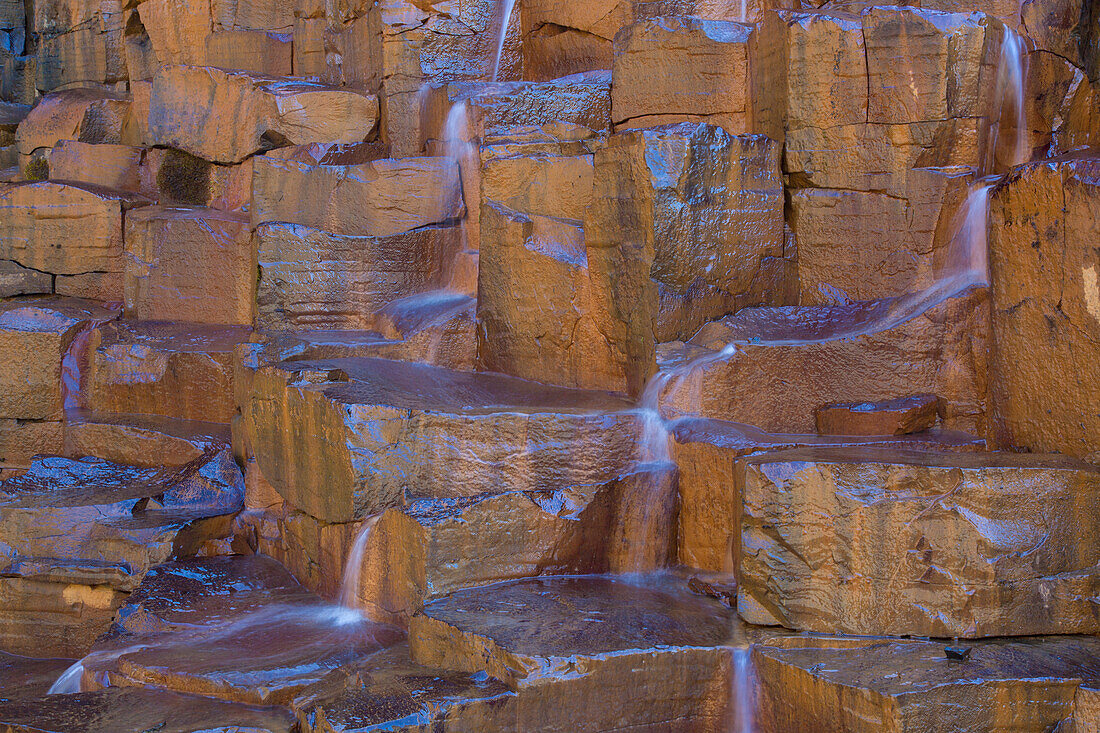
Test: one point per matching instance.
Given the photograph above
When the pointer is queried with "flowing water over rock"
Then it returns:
(556, 366)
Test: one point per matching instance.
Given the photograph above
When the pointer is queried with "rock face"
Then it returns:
(175, 370)
(606, 623)
(35, 335)
(310, 278)
(706, 451)
(1042, 230)
(377, 199)
(448, 426)
(192, 265)
(892, 417)
(903, 685)
(673, 69)
(872, 542)
(434, 547)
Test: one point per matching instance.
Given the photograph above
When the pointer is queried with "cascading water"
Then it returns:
(505, 21)
(1008, 106)
(742, 691)
(353, 566)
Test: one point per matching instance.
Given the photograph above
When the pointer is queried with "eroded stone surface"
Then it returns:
(893, 417)
(705, 452)
(459, 434)
(873, 542)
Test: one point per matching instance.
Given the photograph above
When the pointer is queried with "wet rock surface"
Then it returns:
(967, 545)
(496, 366)
(876, 684)
(366, 406)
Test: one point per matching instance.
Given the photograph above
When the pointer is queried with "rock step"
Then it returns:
(79, 535)
(176, 370)
(877, 541)
(140, 440)
(705, 451)
(133, 710)
(345, 438)
(644, 653)
(823, 683)
(244, 114)
(235, 628)
(799, 358)
(435, 546)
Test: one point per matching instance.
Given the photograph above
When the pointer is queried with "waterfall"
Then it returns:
(1009, 90)
(353, 566)
(69, 681)
(742, 691)
(505, 21)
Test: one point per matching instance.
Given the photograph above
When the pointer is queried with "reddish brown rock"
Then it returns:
(18, 280)
(63, 229)
(705, 451)
(258, 52)
(1046, 305)
(110, 166)
(673, 69)
(140, 440)
(612, 626)
(88, 115)
(910, 685)
(433, 547)
(893, 417)
(512, 433)
(35, 336)
(78, 535)
(311, 279)
(247, 114)
(875, 542)
(134, 709)
(22, 440)
(189, 264)
(175, 370)
(377, 199)
(877, 350)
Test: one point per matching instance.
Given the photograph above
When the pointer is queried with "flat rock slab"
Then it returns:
(95, 522)
(139, 711)
(242, 114)
(236, 628)
(140, 440)
(435, 546)
(344, 438)
(872, 541)
(818, 684)
(394, 692)
(900, 416)
(23, 678)
(589, 648)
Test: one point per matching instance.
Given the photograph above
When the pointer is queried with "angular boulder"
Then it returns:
(877, 542)
(345, 438)
(86, 114)
(676, 69)
(312, 279)
(189, 264)
(243, 114)
(376, 199)
(1046, 306)
(35, 337)
(176, 370)
(893, 417)
(934, 341)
